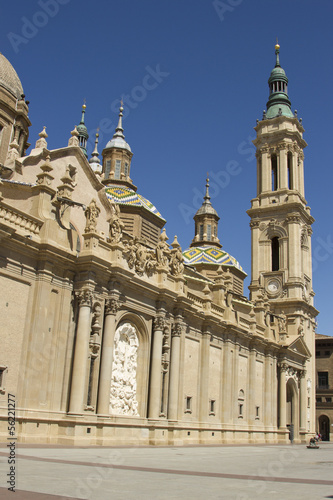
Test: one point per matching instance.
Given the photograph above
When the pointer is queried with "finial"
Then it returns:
(119, 130)
(41, 143)
(83, 111)
(73, 140)
(277, 51)
(207, 197)
(94, 160)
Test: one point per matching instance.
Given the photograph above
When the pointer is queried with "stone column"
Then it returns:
(252, 386)
(81, 353)
(268, 390)
(204, 375)
(283, 172)
(294, 249)
(155, 382)
(283, 396)
(227, 383)
(235, 387)
(174, 372)
(266, 171)
(255, 233)
(111, 308)
(303, 400)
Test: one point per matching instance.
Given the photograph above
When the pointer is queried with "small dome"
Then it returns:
(209, 255)
(118, 142)
(206, 208)
(9, 78)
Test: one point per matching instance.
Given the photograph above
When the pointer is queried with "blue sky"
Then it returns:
(194, 77)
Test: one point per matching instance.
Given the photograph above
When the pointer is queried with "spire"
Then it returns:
(118, 139)
(94, 160)
(206, 207)
(83, 132)
(278, 103)
(277, 52)
(206, 222)
(119, 130)
(207, 197)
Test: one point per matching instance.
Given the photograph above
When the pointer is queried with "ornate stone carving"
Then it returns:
(282, 322)
(300, 329)
(283, 367)
(139, 257)
(255, 223)
(116, 225)
(45, 177)
(95, 324)
(74, 141)
(112, 305)
(92, 212)
(123, 400)
(177, 330)
(177, 259)
(163, 251)
(41, 142)
(165, 350)
(85, 297)
(159, 323)
(294, 217)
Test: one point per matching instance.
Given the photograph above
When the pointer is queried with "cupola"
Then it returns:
(206, 223)
(117, 156)
(278, 103)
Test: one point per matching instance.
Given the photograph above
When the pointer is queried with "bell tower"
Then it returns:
(280, 217)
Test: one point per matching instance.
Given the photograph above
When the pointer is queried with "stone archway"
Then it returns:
(292, 408)
(123, 390)
(324, 427)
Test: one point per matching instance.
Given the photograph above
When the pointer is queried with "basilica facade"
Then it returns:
(112, 334)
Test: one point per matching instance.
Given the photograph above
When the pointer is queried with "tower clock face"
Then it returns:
(273, 286)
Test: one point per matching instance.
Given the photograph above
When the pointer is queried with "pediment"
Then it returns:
(299, 346)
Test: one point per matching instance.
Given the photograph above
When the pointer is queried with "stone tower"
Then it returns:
(281, 227)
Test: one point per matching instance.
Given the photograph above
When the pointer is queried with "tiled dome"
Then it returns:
(126, 196)
(209, 255)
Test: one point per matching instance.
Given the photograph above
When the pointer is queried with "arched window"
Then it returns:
(209, 232)
(275, 254)
(201, 231)
(117, 169)
(290, 171)
(274, 173)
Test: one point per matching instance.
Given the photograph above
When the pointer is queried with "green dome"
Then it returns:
(278, 103)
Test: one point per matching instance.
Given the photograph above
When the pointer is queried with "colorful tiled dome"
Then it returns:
(209, 255)
(126, 196)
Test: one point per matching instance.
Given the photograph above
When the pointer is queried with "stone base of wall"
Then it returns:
(92, 430)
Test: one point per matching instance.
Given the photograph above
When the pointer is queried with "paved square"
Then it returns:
(200, 472)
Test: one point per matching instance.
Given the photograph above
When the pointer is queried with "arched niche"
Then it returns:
(130, 367)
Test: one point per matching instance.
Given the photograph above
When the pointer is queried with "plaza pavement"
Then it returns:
(246, 472)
